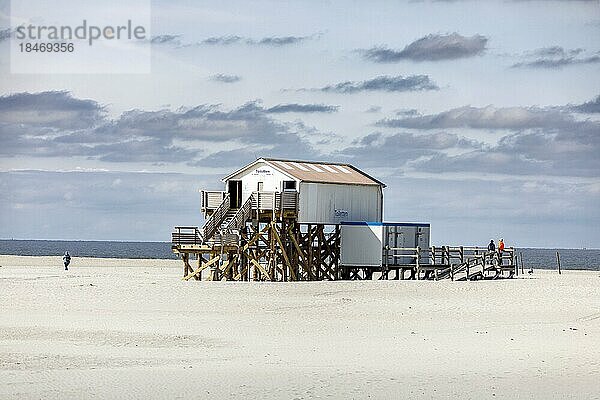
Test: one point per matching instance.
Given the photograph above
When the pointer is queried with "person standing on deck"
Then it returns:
(491, 250)
(500, 250)
(67, 260)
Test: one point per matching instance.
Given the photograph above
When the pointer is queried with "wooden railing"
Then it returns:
(214, 221)
(186, 235)
(263, 200)
(266, 201)
(448, 260)
(288, 200)
(242, 215)
(211, 199)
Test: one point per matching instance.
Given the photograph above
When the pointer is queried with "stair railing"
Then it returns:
(214, 221)
(242, 215)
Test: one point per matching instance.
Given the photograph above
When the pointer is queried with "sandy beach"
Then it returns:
(116, 328)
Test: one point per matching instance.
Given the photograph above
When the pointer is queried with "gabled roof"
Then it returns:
(316, 171)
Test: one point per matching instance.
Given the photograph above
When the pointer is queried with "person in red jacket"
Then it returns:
(500, 250)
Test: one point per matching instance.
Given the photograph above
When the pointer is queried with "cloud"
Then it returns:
(377, 149)
(223, 40)
(275, 41)
(554, 51)
(302, 108)
(410, 83)
(64, 126)
(434, 47)
(5, 34)
(543, 141)
(410, 112)
(282, 40)
(166, 39)
(489, 117)
(53, 109)
(533, 154)
(590, 107)
(555, 57)
(373, 109)
(226, 78)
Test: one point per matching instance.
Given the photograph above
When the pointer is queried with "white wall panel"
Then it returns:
(333, 203)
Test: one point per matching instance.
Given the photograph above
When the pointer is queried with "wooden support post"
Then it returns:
(319, 263)
(418, 264)
(468, 267)
(186, 265)
(558, 261)
(336, 246)
(272, 256)
(309, 251)
(208, 264)
(285, 256)
(521, 257)
(199, 275)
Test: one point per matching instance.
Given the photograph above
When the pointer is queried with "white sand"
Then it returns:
(132, 329)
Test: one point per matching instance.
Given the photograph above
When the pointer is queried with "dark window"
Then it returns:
(289, 185)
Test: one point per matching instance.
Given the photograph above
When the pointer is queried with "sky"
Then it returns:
(482, 117)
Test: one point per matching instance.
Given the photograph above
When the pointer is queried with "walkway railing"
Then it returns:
(186, 235)
(447, 261)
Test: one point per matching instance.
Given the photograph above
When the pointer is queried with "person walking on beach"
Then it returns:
(67, 260)
(500, 250)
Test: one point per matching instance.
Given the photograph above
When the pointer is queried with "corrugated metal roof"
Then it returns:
(315, 171)
(322, 172)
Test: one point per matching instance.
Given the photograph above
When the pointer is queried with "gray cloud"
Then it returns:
(546, 141)
(224, 78)
(65, 126)
(166, 39)
(555, 57)
(554, 51)
(373, 109)
(55, 109)
(410, 83)
(378, 149)
(533, 153)
(411, 112)
(590, 107)
(224, 40)
(302, 108)
(490, 117)
(5, 34)
(282, 40)
(275, 41)
(431, 48)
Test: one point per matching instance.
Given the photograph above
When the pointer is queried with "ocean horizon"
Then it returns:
(544, 258)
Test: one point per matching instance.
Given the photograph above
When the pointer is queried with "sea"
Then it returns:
(588, 259)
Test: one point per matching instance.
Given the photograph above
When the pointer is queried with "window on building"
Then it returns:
(289, 185)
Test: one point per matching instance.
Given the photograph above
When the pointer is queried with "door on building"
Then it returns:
(260, 186)
(235, 194)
